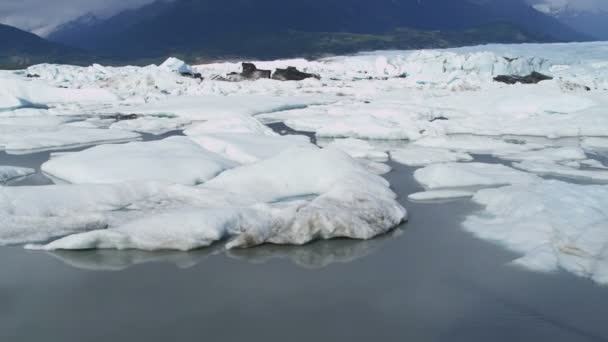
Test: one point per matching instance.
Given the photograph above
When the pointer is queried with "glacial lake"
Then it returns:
(427, 281)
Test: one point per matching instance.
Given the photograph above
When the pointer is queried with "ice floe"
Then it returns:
(557, 170)
(23, 139)
(553, 225)
(440, 195)
(172, 160)
(470, 175)
(422, 156)
(301, 195)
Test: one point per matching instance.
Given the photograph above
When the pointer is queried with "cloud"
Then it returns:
(41, 16)
(585, 5)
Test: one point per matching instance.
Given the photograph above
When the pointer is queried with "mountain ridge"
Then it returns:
(189, 26)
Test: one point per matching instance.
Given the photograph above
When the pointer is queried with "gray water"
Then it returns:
(426, 281)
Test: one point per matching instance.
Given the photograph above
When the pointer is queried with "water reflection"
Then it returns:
(312, 256)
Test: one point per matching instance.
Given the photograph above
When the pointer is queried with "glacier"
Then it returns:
(533, 157)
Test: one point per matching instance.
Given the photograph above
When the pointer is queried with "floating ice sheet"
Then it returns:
(172, 160)
(553, 225)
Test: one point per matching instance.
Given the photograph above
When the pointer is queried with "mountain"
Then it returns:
(271, 28)
(590, 21)
(594, 24)
(20, 48)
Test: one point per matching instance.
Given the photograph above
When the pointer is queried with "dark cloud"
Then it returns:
(41, 16)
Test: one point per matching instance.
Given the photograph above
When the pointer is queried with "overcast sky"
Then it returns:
(40, 16)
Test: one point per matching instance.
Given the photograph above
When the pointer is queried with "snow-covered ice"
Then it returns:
(301, 195)
(8, 173)
(248, 148)
(422, 156)
(553, 225)
(595, 144)
(437, 195)
(553, 169)
(470, 175)
(172, 160)
(358, 148)
(23, 139)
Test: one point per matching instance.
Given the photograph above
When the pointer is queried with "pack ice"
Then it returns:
(232, 178)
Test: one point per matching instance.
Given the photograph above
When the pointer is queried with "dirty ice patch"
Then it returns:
(470, 175)
(172, 160)
(299, 196)
(247, 148)
(553, 225)
(8, 173)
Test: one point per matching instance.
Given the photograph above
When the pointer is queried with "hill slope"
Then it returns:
(20, 48)
(228, 27)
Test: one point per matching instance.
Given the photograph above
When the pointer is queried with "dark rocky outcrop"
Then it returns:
(194, 75)
(120, 117)
(533, 78)
(292, 74)
(250, 73)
